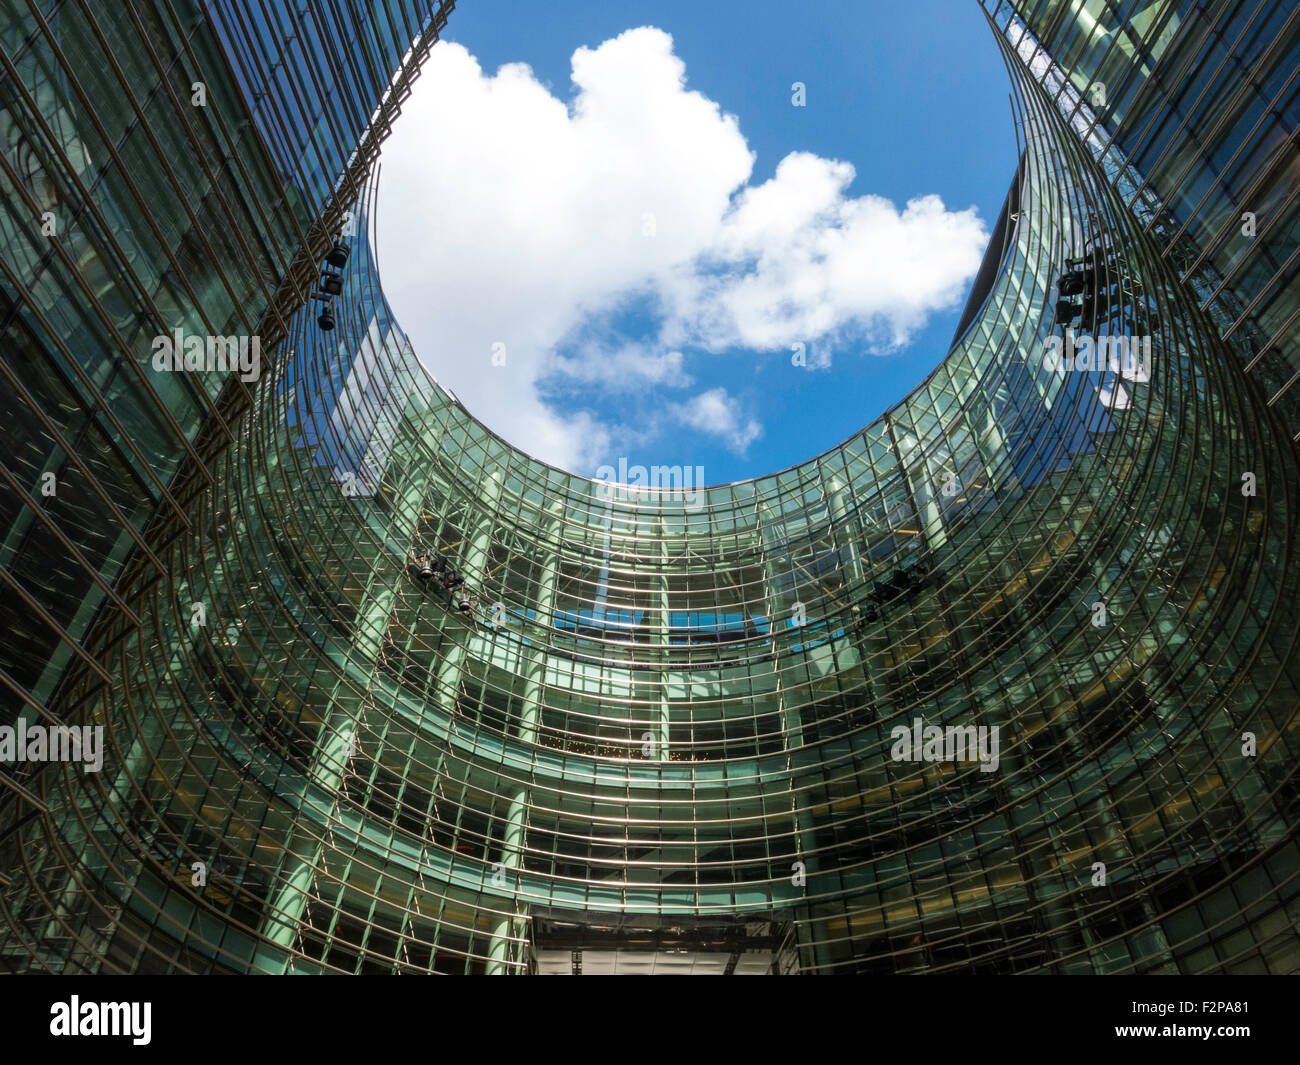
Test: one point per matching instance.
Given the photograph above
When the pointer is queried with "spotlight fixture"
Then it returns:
(337, 256)
(1067, 311)
(1070, 284)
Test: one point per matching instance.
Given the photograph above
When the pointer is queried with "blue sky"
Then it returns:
(621, 245)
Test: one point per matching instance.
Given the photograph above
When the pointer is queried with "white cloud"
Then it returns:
(623, 367)
(822, 260)
(716, 413)
(508, 216)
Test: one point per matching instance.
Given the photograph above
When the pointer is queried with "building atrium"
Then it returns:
(381, 693)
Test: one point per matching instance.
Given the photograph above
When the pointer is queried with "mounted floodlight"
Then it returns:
(337, 256)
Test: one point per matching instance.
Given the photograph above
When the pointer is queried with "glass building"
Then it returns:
(381, 693)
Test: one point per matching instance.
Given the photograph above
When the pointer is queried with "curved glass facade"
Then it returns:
(446, 708)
